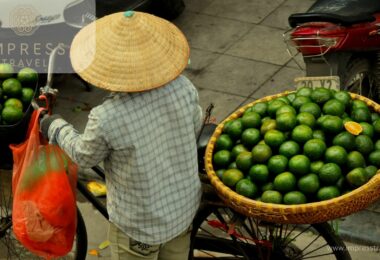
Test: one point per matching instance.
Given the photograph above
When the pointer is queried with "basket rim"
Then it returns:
(281, 208)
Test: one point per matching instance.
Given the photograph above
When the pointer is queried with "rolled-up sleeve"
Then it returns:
(87, 149)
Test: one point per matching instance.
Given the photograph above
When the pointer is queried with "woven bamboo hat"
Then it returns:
(129, 52)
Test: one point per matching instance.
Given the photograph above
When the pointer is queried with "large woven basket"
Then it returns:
(314, 212)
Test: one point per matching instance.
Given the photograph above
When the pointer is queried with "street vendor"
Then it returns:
(144, 132)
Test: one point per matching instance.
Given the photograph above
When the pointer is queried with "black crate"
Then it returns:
(13, 134)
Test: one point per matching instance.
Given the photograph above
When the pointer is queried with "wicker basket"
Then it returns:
(309, 213)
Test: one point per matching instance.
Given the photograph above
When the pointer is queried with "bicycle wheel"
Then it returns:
(219, 232)
(10, 248)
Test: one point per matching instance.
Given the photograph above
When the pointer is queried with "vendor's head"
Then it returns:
(129, 52)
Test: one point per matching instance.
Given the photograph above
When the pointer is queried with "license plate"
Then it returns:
(329, 82)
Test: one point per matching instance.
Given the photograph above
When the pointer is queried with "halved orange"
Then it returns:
(353, 127)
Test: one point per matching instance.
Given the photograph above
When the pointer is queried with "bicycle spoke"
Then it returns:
(317, 256)
(297, 235)
(303, 256)
(219, 216)
(288, 234)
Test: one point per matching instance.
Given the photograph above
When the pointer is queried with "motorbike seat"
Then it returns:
(344, 12)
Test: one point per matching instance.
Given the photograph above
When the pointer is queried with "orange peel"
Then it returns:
(353, 127)
(94, 252)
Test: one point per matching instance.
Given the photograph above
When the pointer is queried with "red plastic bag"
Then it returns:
(43, 186)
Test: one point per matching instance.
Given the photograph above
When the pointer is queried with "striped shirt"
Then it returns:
(147, 141)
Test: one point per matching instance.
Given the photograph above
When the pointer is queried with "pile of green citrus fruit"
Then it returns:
(16, 92)
(311, 145)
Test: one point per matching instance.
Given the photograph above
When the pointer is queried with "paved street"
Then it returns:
(237, 55)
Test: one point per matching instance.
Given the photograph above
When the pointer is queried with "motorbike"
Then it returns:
(339, 41)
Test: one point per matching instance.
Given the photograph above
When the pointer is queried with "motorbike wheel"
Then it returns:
(359, 78)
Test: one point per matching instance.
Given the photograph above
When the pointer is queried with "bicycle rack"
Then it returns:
(90, 197)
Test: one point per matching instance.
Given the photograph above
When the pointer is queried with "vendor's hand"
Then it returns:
(45, 122)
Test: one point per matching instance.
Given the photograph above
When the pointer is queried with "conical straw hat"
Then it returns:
(129, 52)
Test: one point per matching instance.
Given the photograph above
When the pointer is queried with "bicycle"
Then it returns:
(218, 231)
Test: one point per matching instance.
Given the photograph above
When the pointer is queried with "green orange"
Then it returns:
(251, 120)
(259, 173)
(364, 144)
(27, 76)
(336, 154)
(246, 188)
(286, 121)
(260, 108)
(237, 149)
(299, 101)
(355, 160)
(302, 133)
(12, 87)
(261, 153)
(370, 171)
(309, 183)
(344, 97)
(321, 95)
(285, 182)
(376, 126)
(299, 165)
(314, 149)
(328, 192)
(368, 129)
(235, 128)
(271, 196)
(27, 94)
(311, 108)
(274, 106)
(294, 198)
(224, 142)
(277, 164)
(333, 107)
(6, 70)
(244, 161)
(222, 159)
(267, 186)
(332, 124)
(267, 125)
(357, 177)
(286, 109)
(316, 166)
(231, 177)
(304, 91)
(345, 140)
(289, 149)
(274, 138)
(374, 158)
(330, 173)
(319, 134)
(13, 102)
(306, 118)
(11, 115)
(361, 115)
(250, 137)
